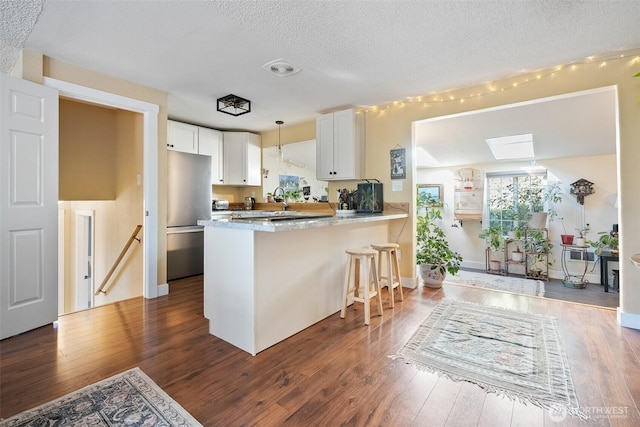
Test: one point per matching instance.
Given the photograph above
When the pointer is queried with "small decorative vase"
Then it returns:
(581, 241)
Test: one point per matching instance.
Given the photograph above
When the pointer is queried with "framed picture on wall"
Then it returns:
(398, 164)
(432, 193)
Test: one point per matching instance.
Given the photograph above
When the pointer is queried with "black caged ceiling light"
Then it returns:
(234, 105)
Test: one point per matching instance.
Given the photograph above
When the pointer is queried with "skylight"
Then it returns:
(512, 147)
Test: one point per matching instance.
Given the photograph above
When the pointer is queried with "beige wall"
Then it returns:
(87, 135)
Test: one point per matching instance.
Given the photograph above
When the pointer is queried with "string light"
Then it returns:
(492, 87)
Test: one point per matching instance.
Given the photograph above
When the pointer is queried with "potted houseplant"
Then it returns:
(581, 238)
(495, 241)
(537, 248)
(433, 254)
(607, 240)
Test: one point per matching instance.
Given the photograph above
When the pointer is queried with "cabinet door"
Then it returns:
(253, 170)
(324, 147)
(182, 137)
(234, 153)
(344, 145)
(210, 144)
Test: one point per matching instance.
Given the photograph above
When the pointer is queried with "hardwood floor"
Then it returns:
(592, 294)
(334, 373)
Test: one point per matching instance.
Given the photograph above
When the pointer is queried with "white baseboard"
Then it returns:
(409, 282)
(163, 289)
(628, 320)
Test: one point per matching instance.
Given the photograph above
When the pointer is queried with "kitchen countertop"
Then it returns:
(244, 220)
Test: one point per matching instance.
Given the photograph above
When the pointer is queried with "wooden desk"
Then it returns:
(605, 257)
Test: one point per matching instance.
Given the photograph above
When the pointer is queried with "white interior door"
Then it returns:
(28, 205)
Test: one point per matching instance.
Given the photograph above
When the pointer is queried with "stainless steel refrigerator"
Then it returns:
(188, 200)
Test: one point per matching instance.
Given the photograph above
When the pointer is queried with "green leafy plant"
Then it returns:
(607, 240)
(493, 236)
(433, 247)
(426, 200)
(537, 248)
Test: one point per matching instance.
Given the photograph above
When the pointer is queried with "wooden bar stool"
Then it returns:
(364, 285)
(391, 276)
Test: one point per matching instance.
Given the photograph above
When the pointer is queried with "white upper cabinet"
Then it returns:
(340, 145)
(182, 137)
(242, 158)
(210, 144)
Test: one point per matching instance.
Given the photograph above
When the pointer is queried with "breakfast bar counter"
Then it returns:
(265, 279)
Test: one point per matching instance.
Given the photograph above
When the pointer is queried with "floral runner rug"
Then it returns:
(496, 282)
(128, 399)
(514, 354)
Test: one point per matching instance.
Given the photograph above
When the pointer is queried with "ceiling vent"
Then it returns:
(280, 67)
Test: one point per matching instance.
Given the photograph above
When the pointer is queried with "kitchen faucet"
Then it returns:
(284, 199)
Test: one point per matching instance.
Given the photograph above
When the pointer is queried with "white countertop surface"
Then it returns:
(246, 222)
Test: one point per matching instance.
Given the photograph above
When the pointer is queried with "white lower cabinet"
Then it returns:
(242, 158)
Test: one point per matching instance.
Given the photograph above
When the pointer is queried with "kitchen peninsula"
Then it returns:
(273, 274)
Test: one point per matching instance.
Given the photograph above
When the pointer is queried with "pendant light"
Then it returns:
(279, 148)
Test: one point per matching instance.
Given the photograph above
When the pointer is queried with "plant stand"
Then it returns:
(508, 262)
(575, 281)
(500, 271)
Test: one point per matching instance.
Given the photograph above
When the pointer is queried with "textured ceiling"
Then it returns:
(18, 18)
(352, 53)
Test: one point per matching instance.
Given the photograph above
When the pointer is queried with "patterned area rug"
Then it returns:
(496, 282)
(126, 399)
(514, 354)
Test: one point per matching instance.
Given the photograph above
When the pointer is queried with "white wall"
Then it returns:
(599, 210)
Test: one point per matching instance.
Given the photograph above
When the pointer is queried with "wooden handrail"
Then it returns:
(117, 262)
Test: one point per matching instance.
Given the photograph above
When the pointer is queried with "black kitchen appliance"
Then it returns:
(369, 196)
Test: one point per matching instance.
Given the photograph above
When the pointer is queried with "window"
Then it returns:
(512, 197)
